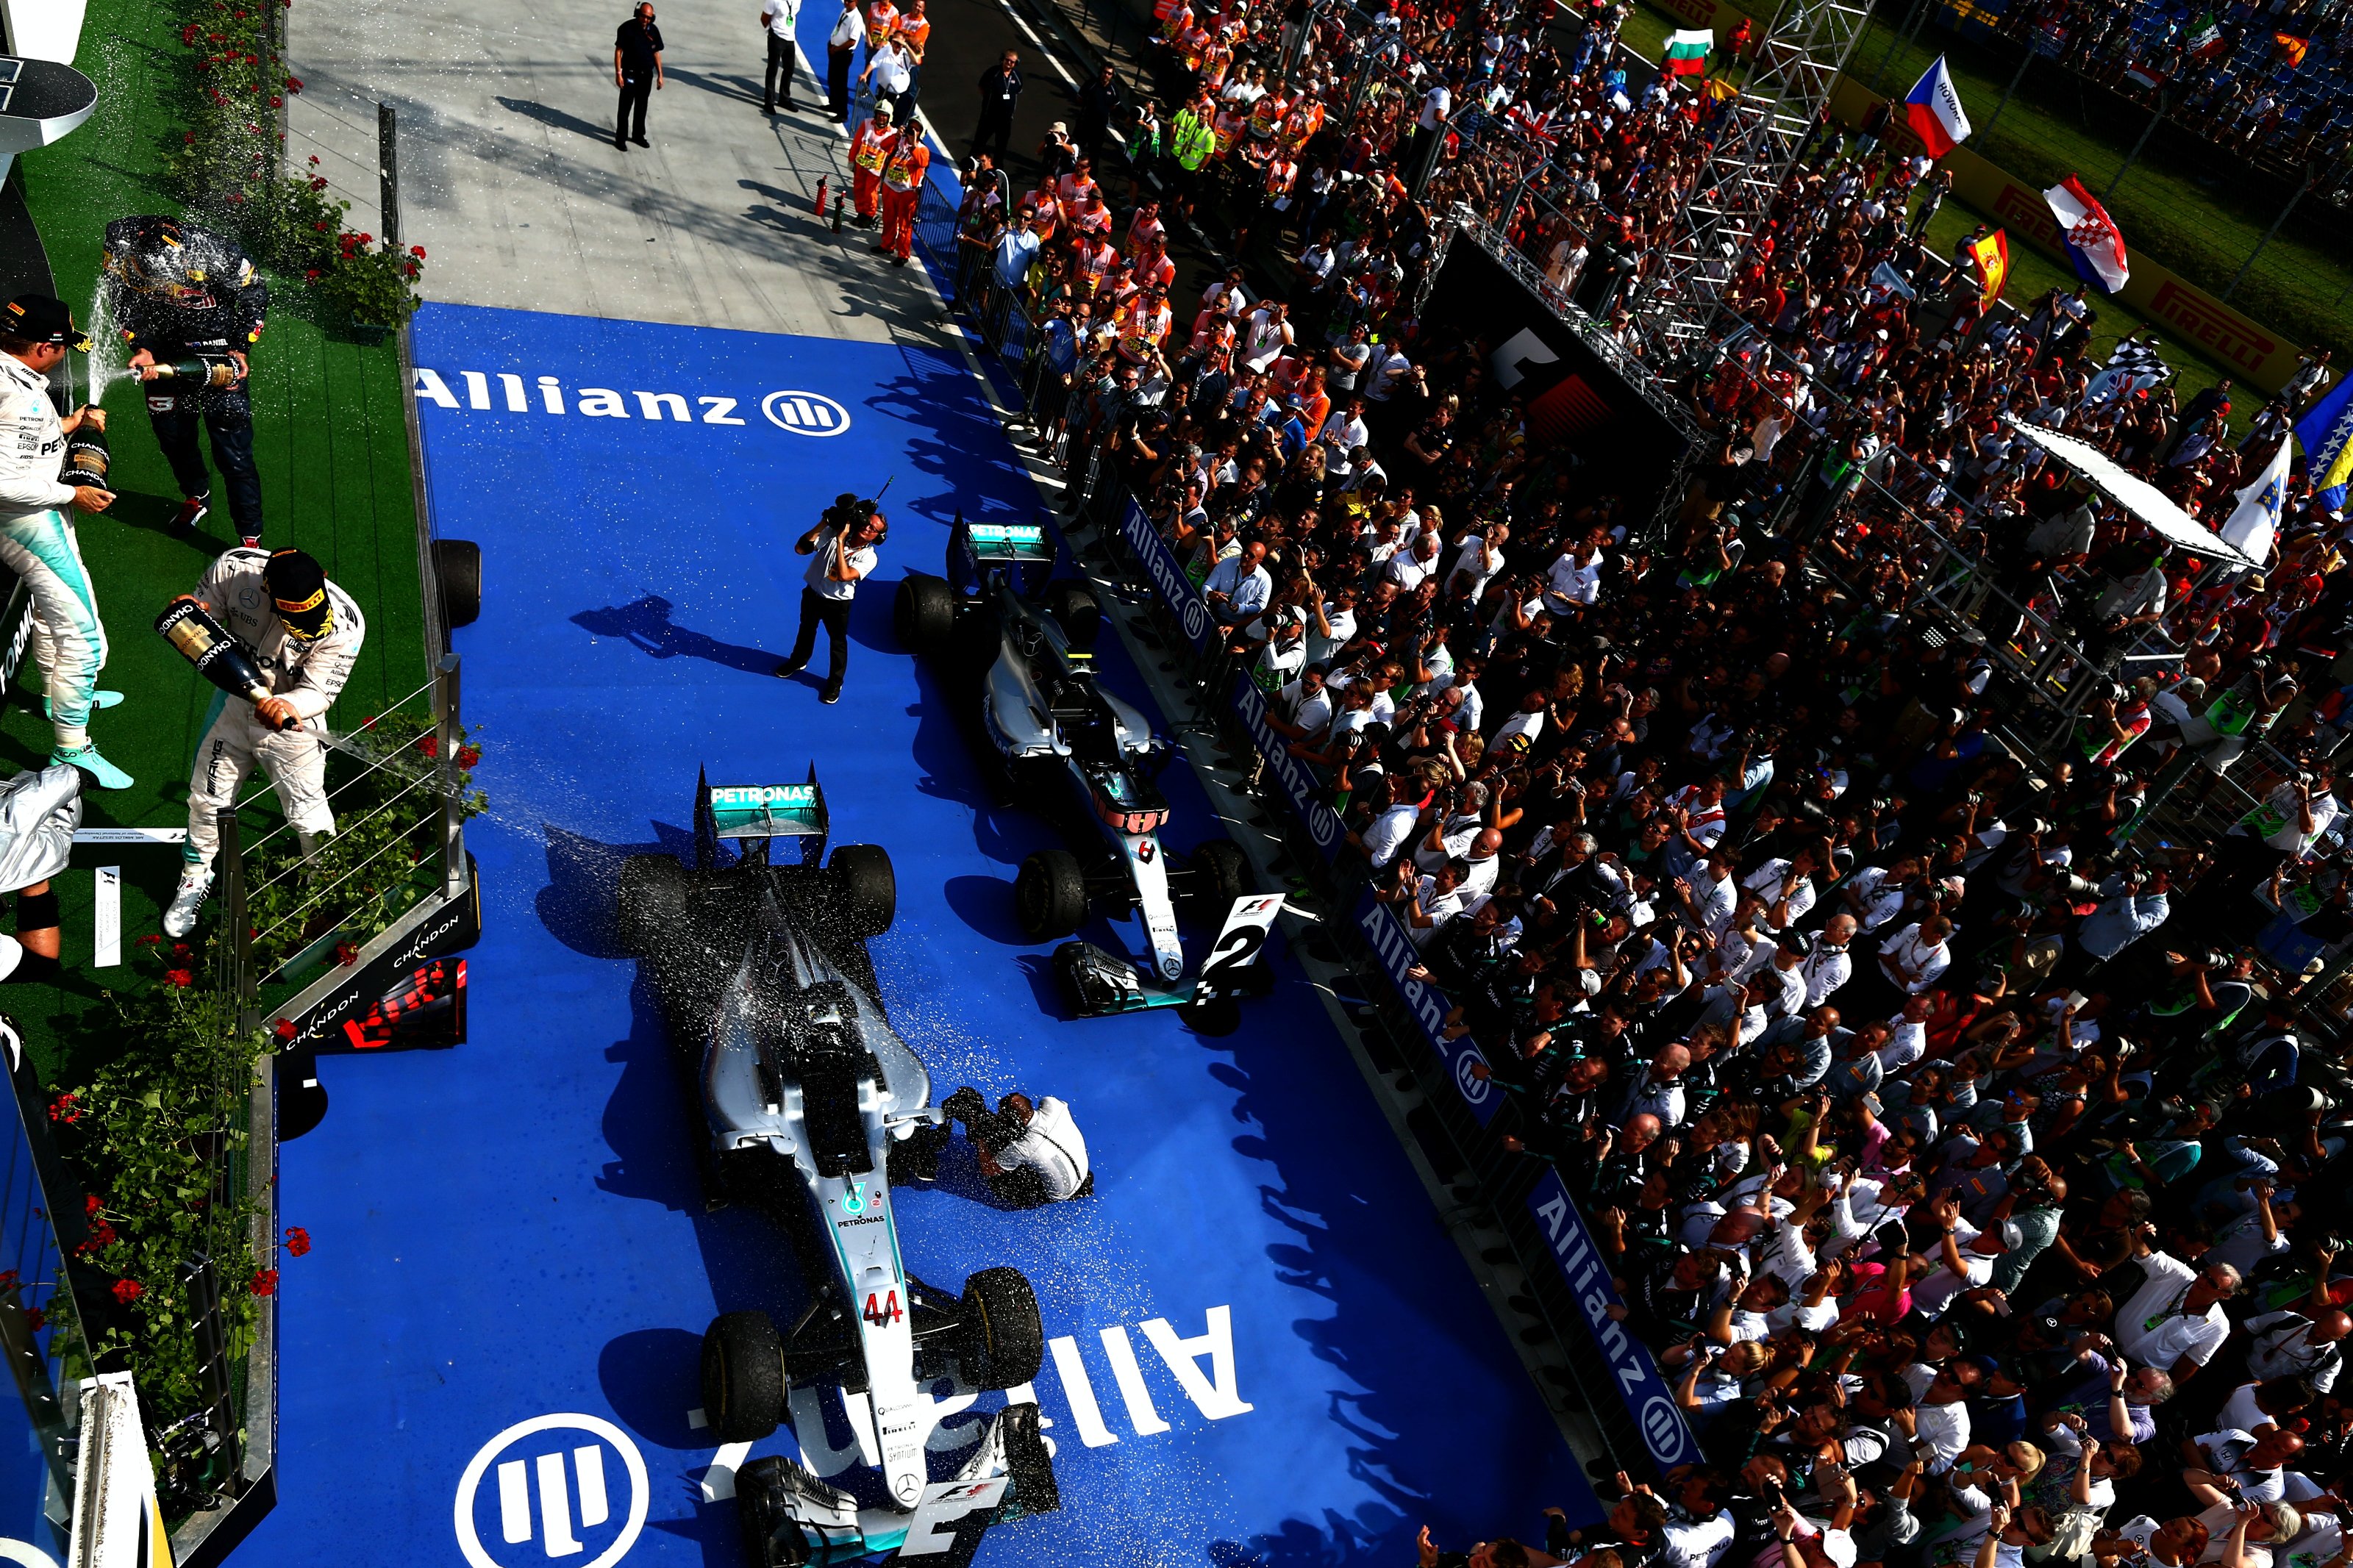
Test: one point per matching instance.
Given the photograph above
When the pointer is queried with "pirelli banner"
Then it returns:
(2248, 349)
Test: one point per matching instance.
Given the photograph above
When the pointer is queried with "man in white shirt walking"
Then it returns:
(840, 51)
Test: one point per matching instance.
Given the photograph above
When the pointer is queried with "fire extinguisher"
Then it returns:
(820, 197)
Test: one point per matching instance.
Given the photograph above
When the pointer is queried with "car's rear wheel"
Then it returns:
(1074, 607)
(652, 903)
(1050, 895)
(742, 1377)
(925, 613)
(1219, 878)
(1004, 1340)
(866, 886)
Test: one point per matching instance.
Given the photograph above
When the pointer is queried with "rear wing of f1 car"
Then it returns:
(975, 548)
(750, 816)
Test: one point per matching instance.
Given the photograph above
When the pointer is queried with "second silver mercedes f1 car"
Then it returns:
(1013, 644)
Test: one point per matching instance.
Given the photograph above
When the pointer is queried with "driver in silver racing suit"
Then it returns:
(37, 534)
(305, 634)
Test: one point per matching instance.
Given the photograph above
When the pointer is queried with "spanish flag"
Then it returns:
(1991, 255)
(2291, 48)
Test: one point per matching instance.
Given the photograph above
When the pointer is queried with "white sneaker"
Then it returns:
(195, 887)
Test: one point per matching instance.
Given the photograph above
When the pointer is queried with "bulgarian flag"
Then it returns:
(1688, 51)
(1991, 255)
(2093, 242)
(1933, 110)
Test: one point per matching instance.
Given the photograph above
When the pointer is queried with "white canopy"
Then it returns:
(2135, 494)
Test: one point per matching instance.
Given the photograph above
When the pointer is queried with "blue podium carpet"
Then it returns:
(1265, 1348)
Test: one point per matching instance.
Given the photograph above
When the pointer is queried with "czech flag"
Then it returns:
(1688, 51)
(2093, 242)
(1933, 108)
(1991, 255)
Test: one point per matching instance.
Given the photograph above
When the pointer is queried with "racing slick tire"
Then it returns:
(742, 1377)
(866, 888)
(1005, 1342)
(653, 901)
(1074, 607)
(1218, 880)
(924, 616)
(1050, 895)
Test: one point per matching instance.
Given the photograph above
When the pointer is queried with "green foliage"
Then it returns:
(159, 1135)
(227, 166)
(383, 855)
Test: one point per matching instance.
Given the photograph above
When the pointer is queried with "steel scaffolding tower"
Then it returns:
(1761, 133)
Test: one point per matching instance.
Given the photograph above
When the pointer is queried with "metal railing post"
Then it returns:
(447, 732)
(240, 927)
(388, 164)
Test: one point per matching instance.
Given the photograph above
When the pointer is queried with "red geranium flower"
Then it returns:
(127, 1290)
(91, 1205)
(100, 1235)
(298, 1241)
(35, 1319)
(430, 745)
(8, 1279)
(417, 251)
(150, 940)
(468, 755)
(347, 954)
(265, 1282)
(63, 1108)
(179, 979)
(285, 1030)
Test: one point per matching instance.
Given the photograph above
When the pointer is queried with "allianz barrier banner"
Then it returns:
(1294, 778)
(1643, 1389)
(1169, 580)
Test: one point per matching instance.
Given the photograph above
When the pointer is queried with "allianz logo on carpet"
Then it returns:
(800, 412)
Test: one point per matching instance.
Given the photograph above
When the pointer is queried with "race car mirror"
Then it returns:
(752, 815)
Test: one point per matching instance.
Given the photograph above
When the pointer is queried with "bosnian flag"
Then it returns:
(1688, 51)
(2093, 242)
(1933, 108)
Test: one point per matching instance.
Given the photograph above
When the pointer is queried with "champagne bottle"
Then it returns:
(87, 454)
(213, 370)
(218, 657)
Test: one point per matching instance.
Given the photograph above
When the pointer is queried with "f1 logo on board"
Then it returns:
(554, 1494)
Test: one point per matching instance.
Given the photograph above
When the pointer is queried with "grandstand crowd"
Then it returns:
(1945, 1108)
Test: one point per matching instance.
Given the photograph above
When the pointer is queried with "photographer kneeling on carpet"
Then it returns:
(1032, 1151)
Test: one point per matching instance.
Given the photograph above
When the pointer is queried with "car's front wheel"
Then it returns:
(1050, 895)
(742, 1377)
(1004, 1339)
(1219, 878)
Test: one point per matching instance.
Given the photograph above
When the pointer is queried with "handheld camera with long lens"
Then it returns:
(216, 652)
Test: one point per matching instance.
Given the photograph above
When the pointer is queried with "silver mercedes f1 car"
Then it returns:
(806, 1090)
(1012, 645)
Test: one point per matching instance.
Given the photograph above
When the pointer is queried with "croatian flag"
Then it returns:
(2093, 242)
(1933, 108)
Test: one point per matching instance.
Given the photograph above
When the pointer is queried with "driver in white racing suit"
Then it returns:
(305, 634)
(36, 537)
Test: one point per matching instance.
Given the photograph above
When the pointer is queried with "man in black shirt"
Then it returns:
(638, 72)
(1099, 105)
(999, 91)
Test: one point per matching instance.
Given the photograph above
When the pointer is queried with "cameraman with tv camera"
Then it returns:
(842, 547)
